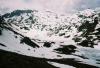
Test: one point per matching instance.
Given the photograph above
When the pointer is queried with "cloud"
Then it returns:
(27, 0)
(53, 5)
(84, 4)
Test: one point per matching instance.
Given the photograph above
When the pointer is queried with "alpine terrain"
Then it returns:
(44, 39)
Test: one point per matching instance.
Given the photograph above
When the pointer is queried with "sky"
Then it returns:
(60, 6)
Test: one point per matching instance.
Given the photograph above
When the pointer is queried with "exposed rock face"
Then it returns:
(86, 43)
(0, 32)
(0, 25)
(66, 49)
(28, 41)
(2, 45)
(47, 44)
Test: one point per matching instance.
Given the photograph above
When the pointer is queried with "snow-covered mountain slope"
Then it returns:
(55, 27)
(49, 35)
(36, 24)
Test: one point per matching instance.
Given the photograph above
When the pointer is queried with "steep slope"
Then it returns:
(40, 23)
(44, 34)
(37, 24)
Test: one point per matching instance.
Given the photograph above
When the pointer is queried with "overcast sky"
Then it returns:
(53, 5)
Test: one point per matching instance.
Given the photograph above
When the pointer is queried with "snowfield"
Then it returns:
(54, 36)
